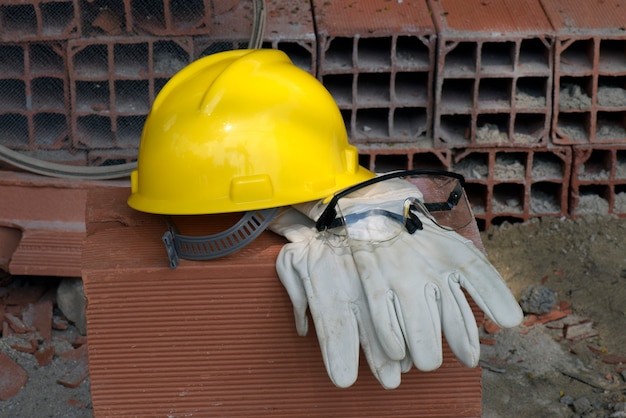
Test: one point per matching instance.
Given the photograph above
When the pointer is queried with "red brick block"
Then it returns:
(217, 337)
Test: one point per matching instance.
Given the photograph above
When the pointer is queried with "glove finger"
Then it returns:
(459, 324)
(382, 306)
(478, 276)
(489, 290)
(423, 328)
(338, 337)
(387, 371)
(291, 278)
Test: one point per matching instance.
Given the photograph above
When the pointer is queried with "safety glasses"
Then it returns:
(381, 214)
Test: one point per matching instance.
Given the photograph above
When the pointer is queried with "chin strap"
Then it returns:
(208, 247)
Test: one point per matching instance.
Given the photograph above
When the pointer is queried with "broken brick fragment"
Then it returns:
(16, 324)
(12, 377)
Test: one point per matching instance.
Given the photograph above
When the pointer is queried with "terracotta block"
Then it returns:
(598, 180)
(50, 217)
(218, 337)
(494, 74)
(377, 59)
(589, 71)
(515, 184)
(39, 20)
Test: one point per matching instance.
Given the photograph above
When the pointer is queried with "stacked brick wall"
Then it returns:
(527, 100)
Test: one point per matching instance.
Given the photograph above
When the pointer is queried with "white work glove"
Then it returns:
(324, 278)
(414, 282)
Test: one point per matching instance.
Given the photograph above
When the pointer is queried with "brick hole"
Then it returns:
(338, 55)
(129, 130)
(102, 17)
(481, 224)
(497, 57)
(132, 96)
(457, 95)
(374, 54)
(477, 196)
(461, 59)
(411, 52)
(221, 46)
(18, 21)
(474, 166)
(12, 95)
(455, 130)
(301, 56)
(346, 115)
(159, 83)
(373, 89)
(14, 131)
(611, 126)
(409, 123)
(507, 198)
(577, 57)
(534, 55)
(94, 131)
(574, 126)
(11, 61)
(411, 88)
(149, 16)
(91, 62)
(575, 93)
(58, 18)
(611, 91)
(620, 164)
(499, 220)
(365, 161)
(340, 87)
(510, 166)
(188, 14)
(390, 162)
(372, 124)
(44, 60)
(529, 128)
(48, 93)
(92, 96)
(597, 166)
(51, 130)
(531, 93)
(547, 166)
(593, 199)
(428, 160)
(620, 199)
(494, 93)
(492, 128)
(612, 55)
(169, 58)
(545, 198)
(131, 60)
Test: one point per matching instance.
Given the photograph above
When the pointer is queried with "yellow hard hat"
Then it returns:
(238, 131)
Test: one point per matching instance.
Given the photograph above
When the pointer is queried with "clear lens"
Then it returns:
(378, 220)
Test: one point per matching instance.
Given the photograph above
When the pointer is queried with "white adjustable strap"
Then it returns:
(208, 247)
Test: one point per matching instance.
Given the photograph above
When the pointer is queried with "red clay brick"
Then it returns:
(494, 74)
(220, 332)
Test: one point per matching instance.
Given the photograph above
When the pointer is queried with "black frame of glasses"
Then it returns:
(328, 217)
